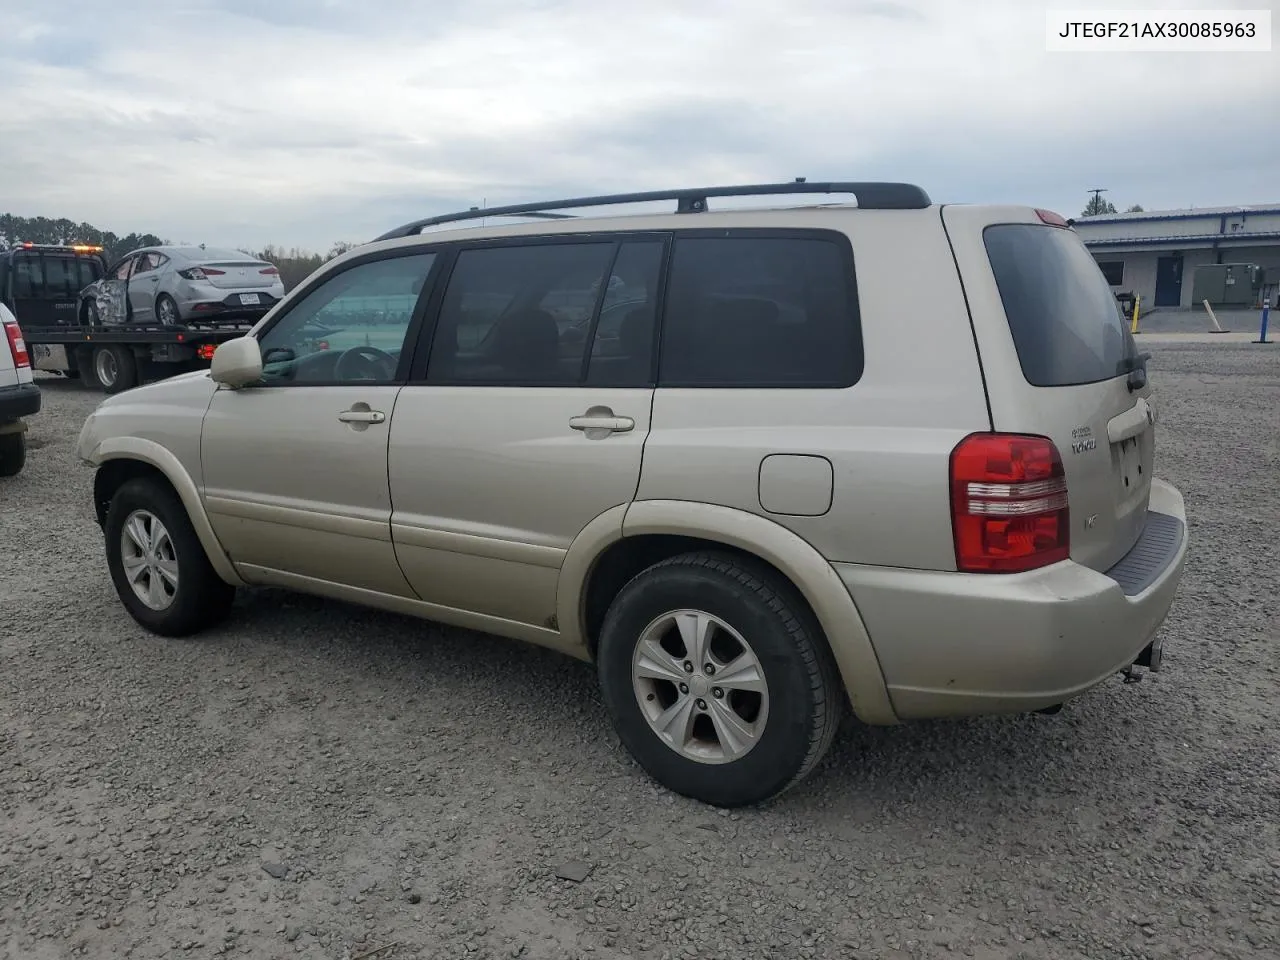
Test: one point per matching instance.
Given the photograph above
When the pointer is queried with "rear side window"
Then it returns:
(760, 311)
(42, 275)
(1064, 319)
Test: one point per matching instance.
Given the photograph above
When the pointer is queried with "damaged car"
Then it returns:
(176, 285)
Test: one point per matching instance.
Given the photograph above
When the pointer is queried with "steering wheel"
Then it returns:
(365, 363)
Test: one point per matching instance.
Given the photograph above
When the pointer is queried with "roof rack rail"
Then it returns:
(870, 196)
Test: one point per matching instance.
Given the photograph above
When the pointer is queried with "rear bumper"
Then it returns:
(954, 644)
(227, 308)
(18, 402)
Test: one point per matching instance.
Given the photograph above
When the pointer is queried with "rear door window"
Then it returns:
(760, 311)
(519, 315)
(1066, 324)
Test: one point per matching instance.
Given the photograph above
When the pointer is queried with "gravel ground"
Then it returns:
(314, 780)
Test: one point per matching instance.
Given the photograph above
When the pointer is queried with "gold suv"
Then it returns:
(760, 465)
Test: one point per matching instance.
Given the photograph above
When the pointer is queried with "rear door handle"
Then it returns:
(611, 424)
(362, 416)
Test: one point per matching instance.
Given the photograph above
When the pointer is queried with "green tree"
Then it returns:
(15, 229)
(1136, 208)
(1097, 206)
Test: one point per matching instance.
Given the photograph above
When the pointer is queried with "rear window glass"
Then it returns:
(51, 276)
(1066, 324)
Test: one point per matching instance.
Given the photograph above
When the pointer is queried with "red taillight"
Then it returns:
(270, 272)
(323, 345)
(1008, 503)
(1051, 218)
(205, 351)
(17, 346)
(201, 273)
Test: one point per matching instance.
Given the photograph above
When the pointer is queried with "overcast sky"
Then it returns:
(304, 122)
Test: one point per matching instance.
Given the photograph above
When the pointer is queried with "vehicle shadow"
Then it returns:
(1014, 759)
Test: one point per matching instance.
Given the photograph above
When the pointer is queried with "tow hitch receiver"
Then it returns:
(1150, 656)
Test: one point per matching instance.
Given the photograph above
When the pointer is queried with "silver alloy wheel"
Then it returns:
(700, 686)
(150, 562)
(106, 367)
(168, 311)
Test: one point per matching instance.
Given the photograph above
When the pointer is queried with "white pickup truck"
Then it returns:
(19, 395)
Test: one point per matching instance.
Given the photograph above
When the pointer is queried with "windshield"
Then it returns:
(1066, 324)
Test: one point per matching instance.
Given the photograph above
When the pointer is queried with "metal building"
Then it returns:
(1156, 254)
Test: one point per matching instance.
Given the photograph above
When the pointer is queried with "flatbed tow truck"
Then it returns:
(41, 284)
(118, 357)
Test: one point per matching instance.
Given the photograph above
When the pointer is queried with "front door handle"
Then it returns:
(591, 423)
(362, 416)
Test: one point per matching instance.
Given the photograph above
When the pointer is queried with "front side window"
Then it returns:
(760, 312)
(519, 315)
(350, 328)
(122, 269)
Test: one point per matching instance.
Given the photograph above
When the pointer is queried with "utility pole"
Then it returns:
(1096, 204)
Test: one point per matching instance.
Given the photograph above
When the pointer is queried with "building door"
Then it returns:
(1168, 282)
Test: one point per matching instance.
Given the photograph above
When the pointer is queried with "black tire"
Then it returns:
(202, 599)
(91, 316)
(114, 368)
(805, 697)
(13, 453)
(167, 311)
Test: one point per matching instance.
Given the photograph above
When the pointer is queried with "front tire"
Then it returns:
(718, 679)
(158, 565)
(13, 453)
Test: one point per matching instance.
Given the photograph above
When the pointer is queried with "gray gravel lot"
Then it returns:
(319, 781)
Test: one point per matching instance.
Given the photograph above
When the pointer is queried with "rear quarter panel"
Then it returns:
(1102, 530)
(888, 437)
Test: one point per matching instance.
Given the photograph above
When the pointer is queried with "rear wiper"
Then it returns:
(1136, 368)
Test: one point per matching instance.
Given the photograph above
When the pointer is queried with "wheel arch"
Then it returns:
(122, 459)
(625, 540)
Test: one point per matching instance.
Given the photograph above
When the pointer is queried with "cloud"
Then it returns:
(304, 122)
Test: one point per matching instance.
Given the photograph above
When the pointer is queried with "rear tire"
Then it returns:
(115, 368)
(13, 453)
(167, 311)
(760, 692)
(158, 565)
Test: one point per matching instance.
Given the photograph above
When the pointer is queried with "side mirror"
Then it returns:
(237, 363)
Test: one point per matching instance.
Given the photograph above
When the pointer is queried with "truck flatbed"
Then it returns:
(138, 333)
(115, 356)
